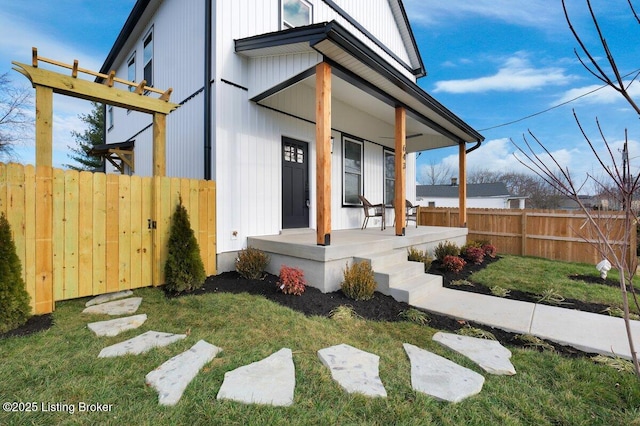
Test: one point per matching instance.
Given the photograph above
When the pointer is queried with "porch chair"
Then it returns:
(411, 213)
(372, 210)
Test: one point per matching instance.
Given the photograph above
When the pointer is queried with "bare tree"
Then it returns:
(14, 123)
(435, 173)
(618, 173)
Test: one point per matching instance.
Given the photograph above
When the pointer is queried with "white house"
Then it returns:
(493, 195)
(293, 107)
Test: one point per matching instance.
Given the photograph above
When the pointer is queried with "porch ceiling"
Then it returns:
(366, 89)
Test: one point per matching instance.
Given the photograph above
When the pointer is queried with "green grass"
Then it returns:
(60, 365)
(535, 275)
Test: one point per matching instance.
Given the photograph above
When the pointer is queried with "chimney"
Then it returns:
(454, 181)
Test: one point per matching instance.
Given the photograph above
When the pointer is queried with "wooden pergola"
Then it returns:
(47, 83)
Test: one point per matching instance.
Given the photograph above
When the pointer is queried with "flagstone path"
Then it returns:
(272, 379)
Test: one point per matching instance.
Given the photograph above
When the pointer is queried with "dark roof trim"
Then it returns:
(418, 71)
(125, 32)
(422, 70)
(314, 34)
(99, 149)
(289, 82)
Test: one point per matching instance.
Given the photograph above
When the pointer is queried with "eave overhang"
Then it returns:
(353, 59)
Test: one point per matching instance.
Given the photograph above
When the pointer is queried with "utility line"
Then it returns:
(555, 106)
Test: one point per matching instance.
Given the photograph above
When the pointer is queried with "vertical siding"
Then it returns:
(178, 62)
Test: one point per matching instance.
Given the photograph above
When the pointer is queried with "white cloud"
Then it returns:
(516, 74)
(597, 94)
(532, 13)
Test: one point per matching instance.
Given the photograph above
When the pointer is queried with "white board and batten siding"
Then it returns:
(178, 62)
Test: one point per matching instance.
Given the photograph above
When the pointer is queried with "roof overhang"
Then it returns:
(364, 80)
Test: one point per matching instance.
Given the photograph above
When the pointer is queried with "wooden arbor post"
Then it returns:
(323, 152)
(462, 188)
(401, 168)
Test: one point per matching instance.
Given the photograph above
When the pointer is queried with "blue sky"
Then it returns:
(489, 61)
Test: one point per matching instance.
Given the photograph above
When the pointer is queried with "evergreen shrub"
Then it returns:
(184, 270)
(417, 255)
(446, 248)
(14, 299)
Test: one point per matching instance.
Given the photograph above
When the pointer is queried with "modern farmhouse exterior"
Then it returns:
(293, 107)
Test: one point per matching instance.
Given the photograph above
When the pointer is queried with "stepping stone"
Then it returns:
(356, 371)
(108, 297)
(140, 344)
(117, 307)
(490, 355)
(116, 326)
(173, 377)
(269, 381)
(440, 378)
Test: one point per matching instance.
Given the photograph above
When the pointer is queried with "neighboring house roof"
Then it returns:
(495, 189)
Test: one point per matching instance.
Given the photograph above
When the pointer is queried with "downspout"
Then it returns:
(473, 148)
(207, 89)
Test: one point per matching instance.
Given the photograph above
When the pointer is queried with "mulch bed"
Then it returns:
(379, 308)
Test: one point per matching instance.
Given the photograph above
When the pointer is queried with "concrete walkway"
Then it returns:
(585, 331)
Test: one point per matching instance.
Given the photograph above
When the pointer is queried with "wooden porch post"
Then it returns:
(323, 152)
(44, 126)
(462, 188)
(400, 170)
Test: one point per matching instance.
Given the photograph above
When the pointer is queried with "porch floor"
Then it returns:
(323, 265)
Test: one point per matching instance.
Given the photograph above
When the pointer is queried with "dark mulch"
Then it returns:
(380, 308)
(33, 325)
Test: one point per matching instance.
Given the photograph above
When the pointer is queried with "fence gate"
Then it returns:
(102, 232)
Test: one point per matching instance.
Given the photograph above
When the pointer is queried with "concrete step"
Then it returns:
(416, 289)
(397, 274)
(385, 259)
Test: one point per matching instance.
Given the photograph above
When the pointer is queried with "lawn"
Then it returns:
(535, 275)
(60, 365)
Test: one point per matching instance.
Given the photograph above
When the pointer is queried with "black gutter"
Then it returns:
(207, 90)
(473, 148)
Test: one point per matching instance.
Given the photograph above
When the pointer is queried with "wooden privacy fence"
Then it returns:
(103, 234)
(551, 234)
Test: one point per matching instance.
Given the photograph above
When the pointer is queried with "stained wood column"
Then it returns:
(44, 126)
(462, 182)
(323, 153)
(400, 170)
(159, 170)
(159, 144)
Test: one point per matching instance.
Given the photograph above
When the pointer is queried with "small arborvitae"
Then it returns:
(184, 270)
(14, 299)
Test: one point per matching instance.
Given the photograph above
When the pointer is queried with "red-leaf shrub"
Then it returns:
(490, 250)
(291, 280)
(453, 263)
(474, 254)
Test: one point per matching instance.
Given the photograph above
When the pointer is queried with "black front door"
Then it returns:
(295, 184)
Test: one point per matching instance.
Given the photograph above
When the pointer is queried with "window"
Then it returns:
(352, 172)
(295, 13)
(148, 58)
(389, 177)
(131, 70)
(109, 117)
(293, 153)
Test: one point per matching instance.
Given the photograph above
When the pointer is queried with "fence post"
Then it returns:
(523, 231)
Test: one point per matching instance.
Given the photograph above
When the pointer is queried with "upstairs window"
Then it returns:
(295, 13)
(131, 70)
(148, 58)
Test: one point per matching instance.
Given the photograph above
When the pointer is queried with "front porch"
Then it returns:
(323, 265)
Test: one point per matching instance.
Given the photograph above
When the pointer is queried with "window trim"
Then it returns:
(109, 117)
(359, 142)
(284, 25)
(132, 62)
(387, 151)
(148, 35)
